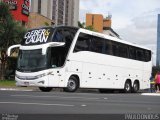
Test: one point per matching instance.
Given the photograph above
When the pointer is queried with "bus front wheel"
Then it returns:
(45, 89)
(72, 85)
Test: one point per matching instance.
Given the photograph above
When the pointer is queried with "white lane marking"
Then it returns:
(83, 105)
(105, 98)
(12, 89)
(55, 97)
(151, 94)
(44, 104)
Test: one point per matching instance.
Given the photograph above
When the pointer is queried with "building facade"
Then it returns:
(100, 24)
(62, 12)
(36, 20)
(158, 41)
(95, 20)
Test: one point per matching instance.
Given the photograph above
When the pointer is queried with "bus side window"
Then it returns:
(108, 48)
(82, 43)
(123, 50)
(132, 53)
(140, 55)
(115, 50)
(58, 37)
(97, 45)
(67, 38)
(147, 55)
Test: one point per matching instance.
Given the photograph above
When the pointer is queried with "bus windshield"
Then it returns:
(34, 60)
(31, 60)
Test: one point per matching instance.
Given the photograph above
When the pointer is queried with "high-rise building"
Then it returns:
(63, 12)
(158, 41)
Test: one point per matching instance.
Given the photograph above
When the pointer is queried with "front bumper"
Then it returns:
(41, 82)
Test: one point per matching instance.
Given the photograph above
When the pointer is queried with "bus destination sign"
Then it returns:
(37, 36)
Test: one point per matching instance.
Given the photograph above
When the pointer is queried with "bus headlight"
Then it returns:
(41, 75)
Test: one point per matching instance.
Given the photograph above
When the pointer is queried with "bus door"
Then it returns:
(62, 76)
(54, 78)
(56, 58)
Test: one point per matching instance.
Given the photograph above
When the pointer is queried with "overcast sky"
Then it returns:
(133, 20)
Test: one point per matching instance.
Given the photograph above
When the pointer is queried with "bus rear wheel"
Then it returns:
(45, 89)
(135, 87)
(72, 85)
(127, 87)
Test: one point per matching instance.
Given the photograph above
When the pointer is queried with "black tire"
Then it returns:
(45, 89)
(72, 85)
(127, 87)
(135, 87)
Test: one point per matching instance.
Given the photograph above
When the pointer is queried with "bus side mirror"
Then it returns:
(11, 47)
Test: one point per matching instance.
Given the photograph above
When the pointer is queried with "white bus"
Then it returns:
(72, 58)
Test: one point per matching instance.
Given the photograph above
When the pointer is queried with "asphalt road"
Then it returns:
(36, 102)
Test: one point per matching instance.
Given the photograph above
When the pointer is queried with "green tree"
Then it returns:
(82, 25)
(11, 32)
(91, 28)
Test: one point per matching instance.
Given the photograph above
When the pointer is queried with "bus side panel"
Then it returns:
(105, 78)
(89, 75)
(105, 71)
(146, 75)
(73, 68)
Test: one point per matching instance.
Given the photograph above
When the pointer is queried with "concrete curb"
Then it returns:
(151, 94)
(61, 90)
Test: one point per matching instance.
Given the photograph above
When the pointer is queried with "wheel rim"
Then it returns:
(71, 84)
(135, 87)
(128, 87)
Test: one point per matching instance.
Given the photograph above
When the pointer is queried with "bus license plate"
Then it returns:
(26, 83)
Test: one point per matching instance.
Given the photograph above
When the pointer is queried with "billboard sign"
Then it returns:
(12, 4)
(19, 9)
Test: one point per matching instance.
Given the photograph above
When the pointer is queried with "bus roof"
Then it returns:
(94, 34)
(59, 26)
